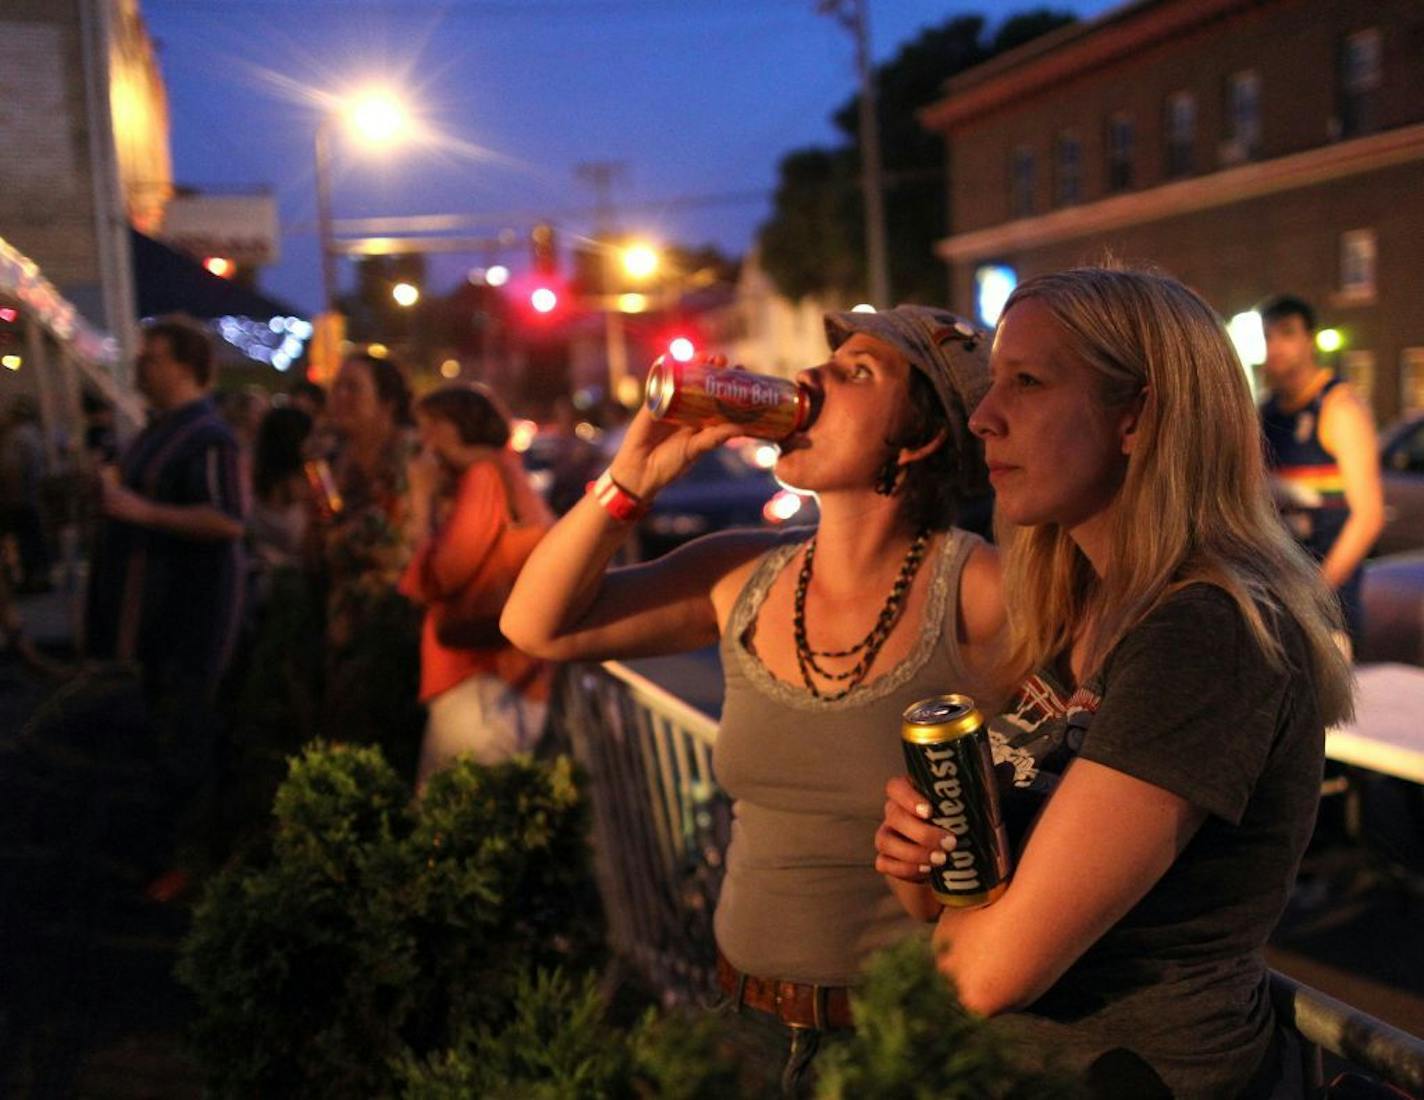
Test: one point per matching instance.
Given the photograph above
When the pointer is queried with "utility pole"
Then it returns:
(853, 16)
(600, 176)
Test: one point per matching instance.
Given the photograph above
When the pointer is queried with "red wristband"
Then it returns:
(617, 501)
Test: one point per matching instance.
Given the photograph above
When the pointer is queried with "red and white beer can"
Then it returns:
(697, 394)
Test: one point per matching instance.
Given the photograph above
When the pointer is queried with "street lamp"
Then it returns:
(374, 118)
(640, 261)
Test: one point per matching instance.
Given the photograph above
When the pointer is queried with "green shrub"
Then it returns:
(914, 1041)
(558, 1045)
(375, 927)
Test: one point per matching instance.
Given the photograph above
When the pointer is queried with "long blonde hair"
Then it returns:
(1194, 505)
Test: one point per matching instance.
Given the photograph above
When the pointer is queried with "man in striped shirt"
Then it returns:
(165, 586)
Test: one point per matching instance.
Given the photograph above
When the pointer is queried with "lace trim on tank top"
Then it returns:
(943, 588)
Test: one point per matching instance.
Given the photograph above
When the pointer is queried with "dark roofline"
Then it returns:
(1065, 53)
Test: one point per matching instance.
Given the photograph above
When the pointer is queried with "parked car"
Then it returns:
(721, 490)
(1402, 469)
(1394, 609)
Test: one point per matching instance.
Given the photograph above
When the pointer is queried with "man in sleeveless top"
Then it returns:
(1323, 454)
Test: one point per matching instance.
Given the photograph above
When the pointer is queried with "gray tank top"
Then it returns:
(801, 900)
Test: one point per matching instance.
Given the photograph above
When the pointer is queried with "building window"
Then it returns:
(1411, 379)
(1359, 83)
(1119, 153)
(1243, 118)
(1068, 173)
(1181, 131)
(1023, 182)
(1358, 369)
(1357, 264)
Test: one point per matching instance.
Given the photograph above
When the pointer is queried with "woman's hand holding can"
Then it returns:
(907, 846)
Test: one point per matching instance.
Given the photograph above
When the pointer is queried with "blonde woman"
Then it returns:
(1179, 676)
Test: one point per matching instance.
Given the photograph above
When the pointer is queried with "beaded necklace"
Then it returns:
(869, 646)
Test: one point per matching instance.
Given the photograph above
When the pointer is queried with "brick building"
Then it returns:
(1246, 146)
(84, 121)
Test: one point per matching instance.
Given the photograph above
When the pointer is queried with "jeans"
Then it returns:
(779, 1058)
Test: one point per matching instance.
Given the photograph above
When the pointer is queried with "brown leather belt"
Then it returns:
(795, 1004)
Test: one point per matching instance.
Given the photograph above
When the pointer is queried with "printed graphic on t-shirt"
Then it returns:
(1033, 739)
(1040, 731)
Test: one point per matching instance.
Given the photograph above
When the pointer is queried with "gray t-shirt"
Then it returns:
(1189, 703)
(801, 899)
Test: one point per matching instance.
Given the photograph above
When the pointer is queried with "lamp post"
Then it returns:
(375, 118)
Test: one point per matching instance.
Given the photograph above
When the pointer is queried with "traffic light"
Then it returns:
(544, 299)
(543, 246)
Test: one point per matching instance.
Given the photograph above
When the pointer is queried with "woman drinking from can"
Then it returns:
(826, 636)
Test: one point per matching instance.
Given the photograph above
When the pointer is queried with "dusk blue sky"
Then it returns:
(694, 97)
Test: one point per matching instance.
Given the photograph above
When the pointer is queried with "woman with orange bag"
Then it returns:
(484, 697)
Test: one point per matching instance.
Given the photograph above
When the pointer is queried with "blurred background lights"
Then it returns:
(450, 368)
(380, 351)
(277, 340)
(544, 300)
(640, 260)
(632, 303)
(220, 266)
(630, 392)
(1248, 337)
(681, 349)
(993, 283)
(497, 275)
(522, 433)
(864, 307)
(782, 506)
(405, 294)
(12, 362)
(1329, 340)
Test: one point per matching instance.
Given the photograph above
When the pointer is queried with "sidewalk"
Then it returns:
(88, 1005)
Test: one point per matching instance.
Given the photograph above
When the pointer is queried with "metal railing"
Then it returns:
(661, 825)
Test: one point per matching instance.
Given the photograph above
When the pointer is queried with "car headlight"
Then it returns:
(783, 505)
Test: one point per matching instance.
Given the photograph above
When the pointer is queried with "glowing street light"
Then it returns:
(405, 294)
(377, 117)
(641, 261)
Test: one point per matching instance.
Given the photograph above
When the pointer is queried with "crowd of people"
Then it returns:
(1157, 655)
(278, 568)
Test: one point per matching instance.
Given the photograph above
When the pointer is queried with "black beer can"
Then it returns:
(947, 752)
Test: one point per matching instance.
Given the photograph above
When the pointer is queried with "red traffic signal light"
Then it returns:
(544, 299)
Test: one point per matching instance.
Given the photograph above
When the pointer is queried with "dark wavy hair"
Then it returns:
(277, 453)
(391, 387)
(934, 486)
(474, 412)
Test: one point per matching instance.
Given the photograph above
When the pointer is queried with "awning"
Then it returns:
(167, 281)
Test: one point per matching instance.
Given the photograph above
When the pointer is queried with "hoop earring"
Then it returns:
(886, 479)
